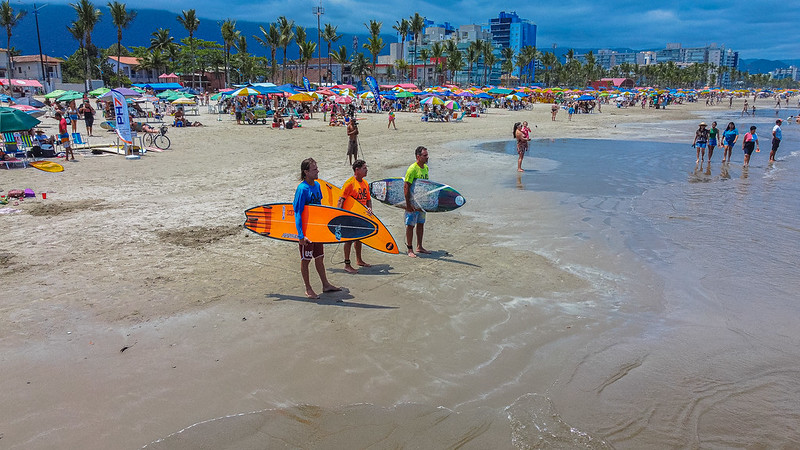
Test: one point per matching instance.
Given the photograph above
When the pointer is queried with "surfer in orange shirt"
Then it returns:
(357, 188)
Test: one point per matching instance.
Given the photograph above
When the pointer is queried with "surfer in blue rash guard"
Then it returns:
(309, 193)
(418, 170)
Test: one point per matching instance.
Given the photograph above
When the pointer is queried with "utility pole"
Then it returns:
(318, 11)
(45, 75)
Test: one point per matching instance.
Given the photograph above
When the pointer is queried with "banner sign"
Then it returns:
(373, 86)
(306, 84)
(122, 116)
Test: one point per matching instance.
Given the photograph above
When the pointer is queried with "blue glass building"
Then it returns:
(509, 30)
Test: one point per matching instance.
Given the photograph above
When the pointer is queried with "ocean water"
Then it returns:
(686, 335)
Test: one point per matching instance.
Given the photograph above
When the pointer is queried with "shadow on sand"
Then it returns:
(340, 298)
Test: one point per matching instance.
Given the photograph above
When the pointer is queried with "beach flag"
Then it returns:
(307, 84)
(373, 86)
(122, 116)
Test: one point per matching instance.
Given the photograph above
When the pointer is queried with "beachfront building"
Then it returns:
(29, 67)
(508, 30)
(129, 66)
(790, 72)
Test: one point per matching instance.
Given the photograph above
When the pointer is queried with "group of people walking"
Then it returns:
(710, 138)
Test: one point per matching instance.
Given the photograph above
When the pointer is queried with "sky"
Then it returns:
(765, 29)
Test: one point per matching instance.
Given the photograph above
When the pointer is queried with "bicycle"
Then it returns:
(159, 139)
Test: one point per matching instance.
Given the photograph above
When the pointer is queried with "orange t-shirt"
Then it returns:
(358, 190)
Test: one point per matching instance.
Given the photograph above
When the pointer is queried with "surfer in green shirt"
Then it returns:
(415, 216)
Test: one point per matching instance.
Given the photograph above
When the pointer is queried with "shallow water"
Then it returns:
(684, 337)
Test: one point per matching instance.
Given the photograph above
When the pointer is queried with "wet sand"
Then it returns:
(136, 305)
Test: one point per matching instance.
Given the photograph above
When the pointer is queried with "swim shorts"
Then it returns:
(775, 144)
(700, 144)
(352, 147)
(712, 142)
(749, 147)
(413, 218)
(311, 251)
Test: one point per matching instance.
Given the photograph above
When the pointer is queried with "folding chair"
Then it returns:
(12, 148)
(77, 139)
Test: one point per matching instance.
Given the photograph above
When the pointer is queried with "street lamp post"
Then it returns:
(45, 75)
(318, 11)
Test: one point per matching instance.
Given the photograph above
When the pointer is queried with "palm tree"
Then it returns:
(416, 25)
(549, 60)
(330, 36)
(307, 50)
(271, 40)
(121, 19)
(8, 20)
(402, 67)
(489, 61)
(76, 30)
(402, 27)
(507, 53)
(374, 45)
(190, 21)
(488, 51)
(88, 16)
(374, 28)
(160, 42)
(455, 62)
(340, 57)
(425, 56)
(436, 53)
(360, 66)
(229, 36)
(528, 54)
(285, 26)
(473, 55)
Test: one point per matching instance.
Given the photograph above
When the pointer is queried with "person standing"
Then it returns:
(522, 137)
(309, 193)
(415, 217)
(713, 134)
(554, 111)
(701, 141)
(777, 135)
(88, 116)
(72, 114)
(745, 109)
(357, 188)
(729, 136)
(750, 142)
(352, 140)
(63, 135)
(391, 121)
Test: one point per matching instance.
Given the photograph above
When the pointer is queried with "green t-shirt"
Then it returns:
(414, 172)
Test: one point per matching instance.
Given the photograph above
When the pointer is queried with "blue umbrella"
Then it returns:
(585, 97)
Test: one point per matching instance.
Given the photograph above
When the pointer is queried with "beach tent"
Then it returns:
(28, 101)
(159, 86)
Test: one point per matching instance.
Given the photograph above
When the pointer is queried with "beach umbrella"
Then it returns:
(12, 119)
(366, 95)
(245, 91)
(70, 95)
(404, 94)
(122, 90)
(585, 97)
(451, 104)
(432, 101)
(99, 91)
(55, 94)
(344, 99)
(29, 110)
(183, 101)
(28, 101)
(301, 97)
(513, 97)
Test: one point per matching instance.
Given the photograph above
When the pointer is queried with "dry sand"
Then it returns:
(135, 304)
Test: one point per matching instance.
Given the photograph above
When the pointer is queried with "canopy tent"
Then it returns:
(21, 83)
(159, 86)
(28, 101)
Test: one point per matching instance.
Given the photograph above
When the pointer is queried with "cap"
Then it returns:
(779, 121)
(703, 124)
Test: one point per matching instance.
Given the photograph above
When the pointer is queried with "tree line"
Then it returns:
(448, 60)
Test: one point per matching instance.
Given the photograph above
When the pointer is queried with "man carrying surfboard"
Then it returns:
(415, 216)
(309, 193)
(357, 188)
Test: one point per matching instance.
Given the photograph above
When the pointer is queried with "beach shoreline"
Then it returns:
(138, 305)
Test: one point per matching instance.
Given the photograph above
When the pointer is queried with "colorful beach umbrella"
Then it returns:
(69, 96)
(451, 104)
(301, 97)
(432, 101)
(12, 119)
(245, 91)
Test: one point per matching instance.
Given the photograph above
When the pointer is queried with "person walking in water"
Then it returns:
(522, 136)
(729, 137)
(701, 141)
(713, 134)
(749, 143)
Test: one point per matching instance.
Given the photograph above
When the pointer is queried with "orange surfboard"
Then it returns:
(382, 240)
(322, 224)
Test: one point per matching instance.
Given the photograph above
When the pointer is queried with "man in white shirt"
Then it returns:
(777, 135)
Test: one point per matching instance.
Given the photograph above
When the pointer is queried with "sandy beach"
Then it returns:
(136, 305)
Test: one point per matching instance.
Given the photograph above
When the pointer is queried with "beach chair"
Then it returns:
(77, 139)
(11, 147)
(461, 117)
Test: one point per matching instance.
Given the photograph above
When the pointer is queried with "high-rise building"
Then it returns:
(510, 31)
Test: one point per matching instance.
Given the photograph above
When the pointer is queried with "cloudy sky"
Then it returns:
(756, 28)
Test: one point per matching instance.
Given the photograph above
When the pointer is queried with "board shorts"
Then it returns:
(712, 142)
(238, 115)
(749, 147)
(413, 218)
(729, 142)
(64, 139)
(73, 117)
(775, 144)
(311, 251)
(700, 144)
(352, 147)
